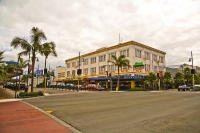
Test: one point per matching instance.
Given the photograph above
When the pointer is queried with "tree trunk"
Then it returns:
(45, 76)
(33, 65)
(117, 79)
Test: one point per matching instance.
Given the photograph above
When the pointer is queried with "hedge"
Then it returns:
(30, 94)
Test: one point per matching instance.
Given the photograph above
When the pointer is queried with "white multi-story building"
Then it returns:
(95, 66)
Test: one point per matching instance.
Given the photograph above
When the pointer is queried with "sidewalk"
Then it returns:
(19, 117)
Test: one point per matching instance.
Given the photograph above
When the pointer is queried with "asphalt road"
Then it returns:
(125, 112)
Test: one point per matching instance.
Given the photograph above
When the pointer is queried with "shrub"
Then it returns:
(136, 89)
(197, 88)
(30, 94)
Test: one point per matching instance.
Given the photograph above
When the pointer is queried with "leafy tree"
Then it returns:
(167, 79)
(36, 39)
(119, 63)
(3, 68)
(3, 73)
(178, 79)
(1, 57)
(151, 79)
(187, 75)
(48, 49)
(22, 63)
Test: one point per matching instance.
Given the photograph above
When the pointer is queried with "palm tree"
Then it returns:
(3, 69)
(34, 47)
(187, 75)
(151, 79)
(178, 79)
(1, 57)
(167, 78)
(21, 64)
(48, 49)
(119, 63)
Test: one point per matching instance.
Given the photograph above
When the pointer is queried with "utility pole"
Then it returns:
(79, 71)
(192, 71)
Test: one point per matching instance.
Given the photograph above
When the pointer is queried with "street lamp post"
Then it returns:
(79, 71)
(192, 70)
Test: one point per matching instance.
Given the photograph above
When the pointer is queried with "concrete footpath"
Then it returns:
(19, 117)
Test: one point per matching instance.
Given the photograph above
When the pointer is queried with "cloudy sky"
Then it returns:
(172, 26)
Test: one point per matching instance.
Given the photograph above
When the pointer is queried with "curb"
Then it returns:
(9, 100)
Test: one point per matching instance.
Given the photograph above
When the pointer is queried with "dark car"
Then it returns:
(184, 88)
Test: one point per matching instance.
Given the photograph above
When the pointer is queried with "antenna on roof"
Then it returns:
(120, 39)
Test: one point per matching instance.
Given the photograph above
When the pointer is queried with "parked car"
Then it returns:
(95, 87)
(184, 88)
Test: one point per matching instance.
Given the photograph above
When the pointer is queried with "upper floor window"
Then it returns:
(147, 67)
(93, 70)
(79, 63)
(101, 68)
(161, 59)
(85, 71)
(112, 67)
(146, 55)
(110, 55)
(125, 67)
(68, 65)
(93, 60)
(73, 73)
(102, 58)
(125, 52)
(138, 53)
(85, 62)
(155, 68)
(73, 64)
(154, 57)
(68, 73)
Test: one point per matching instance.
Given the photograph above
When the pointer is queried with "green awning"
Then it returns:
(138, 64)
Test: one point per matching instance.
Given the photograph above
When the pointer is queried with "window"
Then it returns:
(124, 52)
(85, 62)
(102, 69)
(147, 55)
(161, 59)
(127, 54)
(73, 64)
(79, 63)
(68, 73)
(85, 71)
(147, 67)
(155, 68)
(112, 67)
(138, 53)
(93, 70)
(154, 57)
(73, 72)
(93, 60)
(102, 58)
(110, 55)
(68, 65)
(125, 67)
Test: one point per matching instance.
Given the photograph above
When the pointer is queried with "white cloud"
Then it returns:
(76, 25)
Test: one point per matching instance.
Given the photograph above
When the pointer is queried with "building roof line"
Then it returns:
(103, 49)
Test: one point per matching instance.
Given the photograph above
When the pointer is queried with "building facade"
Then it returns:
(96, 69)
